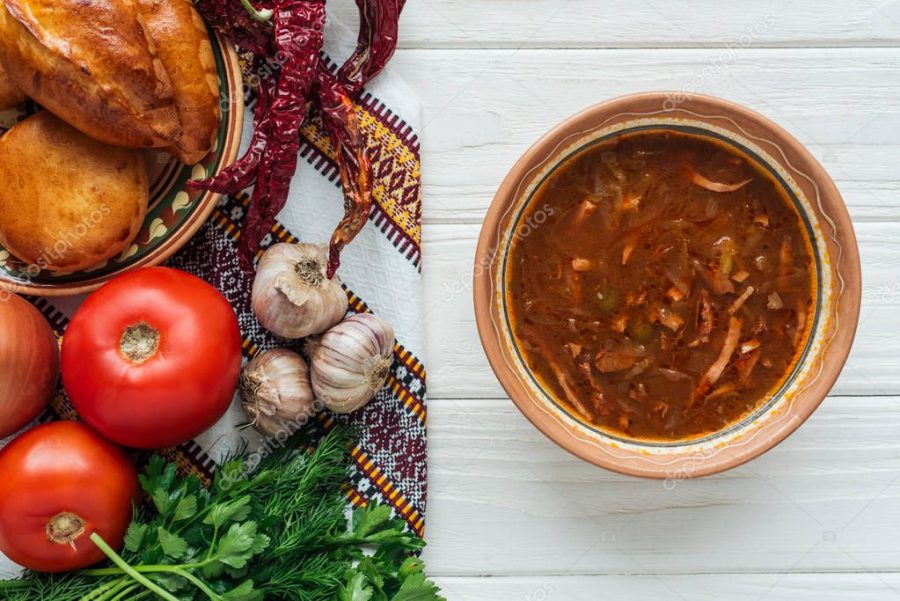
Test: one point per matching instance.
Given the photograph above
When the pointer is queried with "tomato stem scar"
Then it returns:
(65, 528)
(139, 342)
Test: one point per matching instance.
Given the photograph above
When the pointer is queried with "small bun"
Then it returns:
(68, 202)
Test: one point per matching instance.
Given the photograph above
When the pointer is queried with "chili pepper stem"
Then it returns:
(259, 15)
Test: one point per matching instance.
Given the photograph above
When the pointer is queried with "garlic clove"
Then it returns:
(351, 362)
(276, 392)
(292, 296)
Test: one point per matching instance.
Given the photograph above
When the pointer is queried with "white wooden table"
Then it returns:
(511, 516)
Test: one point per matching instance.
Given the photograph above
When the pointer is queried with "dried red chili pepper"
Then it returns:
(299, 30)
(379, 25)
(340, 118)
(232, 19)
(379, 22)
(241, 174)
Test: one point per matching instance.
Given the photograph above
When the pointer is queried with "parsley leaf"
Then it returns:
(186, 508)
(223, 513)
(239, 544)
(134, 537)
(374, 525)
(416, 588)
(243, 592)
(357, 589)
(172, 545)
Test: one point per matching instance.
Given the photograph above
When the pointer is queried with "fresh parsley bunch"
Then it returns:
(276, 532)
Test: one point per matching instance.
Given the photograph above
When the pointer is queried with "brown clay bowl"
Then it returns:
(837, 270)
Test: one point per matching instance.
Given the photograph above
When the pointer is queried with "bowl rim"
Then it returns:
(550, 146)
(207, 202)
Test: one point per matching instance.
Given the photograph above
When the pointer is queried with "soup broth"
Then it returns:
(664, 287)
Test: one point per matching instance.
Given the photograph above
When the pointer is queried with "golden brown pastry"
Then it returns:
(68, 202)
(10, 95)
(182, 41)
(92, 64)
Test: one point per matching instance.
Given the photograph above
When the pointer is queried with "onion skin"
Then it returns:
(29, 363)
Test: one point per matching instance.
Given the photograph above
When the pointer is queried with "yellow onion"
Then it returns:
(29, 363)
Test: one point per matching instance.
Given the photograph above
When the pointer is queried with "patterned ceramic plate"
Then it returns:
(174, 214)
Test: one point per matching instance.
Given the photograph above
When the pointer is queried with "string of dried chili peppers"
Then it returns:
(379, 25)
(299, 34)
(233, 21)
(293, 40)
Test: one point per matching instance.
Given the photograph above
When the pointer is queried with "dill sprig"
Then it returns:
(273, 528)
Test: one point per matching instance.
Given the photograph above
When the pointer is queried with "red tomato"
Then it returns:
(61, 483)
(152, 358)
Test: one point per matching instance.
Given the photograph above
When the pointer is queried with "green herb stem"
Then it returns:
(212, 544)
(125, 593)
(116, 559)
(146, 569)
(259, 15)
(103, 593)
(183, 570)
(101, 572)
(213, 596)
(149, 569)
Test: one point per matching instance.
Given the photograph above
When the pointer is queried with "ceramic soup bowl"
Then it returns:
(836, 274)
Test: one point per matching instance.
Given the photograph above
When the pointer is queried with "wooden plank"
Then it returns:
(483, 109)
(734, 587)
(488, 24)
(505, 500)
(458, 368)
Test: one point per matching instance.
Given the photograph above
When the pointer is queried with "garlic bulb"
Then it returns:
(276, 392)
(292, 296)
(351, 362)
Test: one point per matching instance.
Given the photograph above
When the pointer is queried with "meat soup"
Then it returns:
(667, 287)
